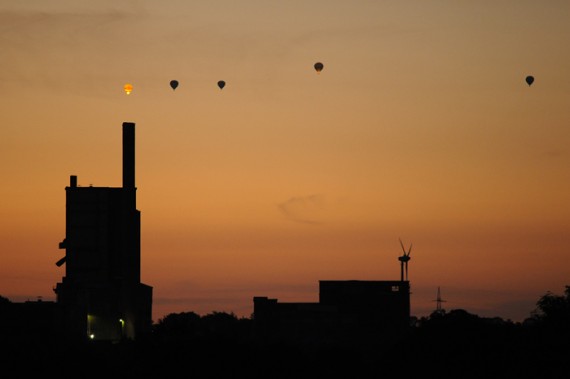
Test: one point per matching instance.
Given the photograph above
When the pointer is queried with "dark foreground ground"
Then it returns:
(452, 345)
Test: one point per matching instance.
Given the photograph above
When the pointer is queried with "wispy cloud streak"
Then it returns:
(306, 209)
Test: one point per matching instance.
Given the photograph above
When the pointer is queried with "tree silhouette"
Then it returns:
(178, 326)
(4, 300)
(554, 309)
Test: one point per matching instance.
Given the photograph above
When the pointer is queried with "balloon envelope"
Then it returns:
(128, 88)
(221, 84)
(318, 67)
(174, 84)
(529, 80)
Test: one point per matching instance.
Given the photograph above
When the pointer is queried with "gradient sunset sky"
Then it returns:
(420, 126)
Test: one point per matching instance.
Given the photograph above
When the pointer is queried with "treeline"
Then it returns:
(444, 344)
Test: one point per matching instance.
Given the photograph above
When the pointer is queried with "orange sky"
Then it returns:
(420, 127)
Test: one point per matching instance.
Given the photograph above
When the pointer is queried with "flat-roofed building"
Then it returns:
(347, 309)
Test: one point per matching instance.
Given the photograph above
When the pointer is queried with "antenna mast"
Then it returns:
(439, 300)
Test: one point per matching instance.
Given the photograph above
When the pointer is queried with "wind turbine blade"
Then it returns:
(401, 244)
(410, 250)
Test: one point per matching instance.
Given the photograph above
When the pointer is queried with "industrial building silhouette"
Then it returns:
(101, 295)
(347, 310)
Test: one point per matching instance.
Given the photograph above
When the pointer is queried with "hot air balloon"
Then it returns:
(128, 88)
(174, 84)
(318, 67)
(529, 80)
(221, 84)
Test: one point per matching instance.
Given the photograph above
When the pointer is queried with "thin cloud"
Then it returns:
(305, 210)
(39, 44)
(552, 154)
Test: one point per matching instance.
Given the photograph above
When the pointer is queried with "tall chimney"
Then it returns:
(129, 155)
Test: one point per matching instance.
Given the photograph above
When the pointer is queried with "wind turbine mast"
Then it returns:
(404, 259)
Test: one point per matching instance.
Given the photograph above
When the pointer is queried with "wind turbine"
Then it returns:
(404, 259)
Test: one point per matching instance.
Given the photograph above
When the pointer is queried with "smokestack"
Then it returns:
(129, 155)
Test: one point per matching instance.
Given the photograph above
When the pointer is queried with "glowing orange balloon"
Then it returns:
(128, 88)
